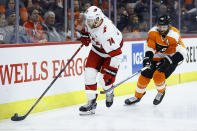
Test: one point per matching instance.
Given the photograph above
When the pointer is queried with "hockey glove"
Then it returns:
(110, 75)
(85, 38)
(165, 63)
(168, 60)
(147, 61)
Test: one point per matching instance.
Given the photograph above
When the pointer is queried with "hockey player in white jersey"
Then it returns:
(104, 57)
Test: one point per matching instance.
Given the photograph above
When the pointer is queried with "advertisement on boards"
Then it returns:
(137, 50)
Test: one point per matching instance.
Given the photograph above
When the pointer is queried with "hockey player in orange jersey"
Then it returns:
(164, 51)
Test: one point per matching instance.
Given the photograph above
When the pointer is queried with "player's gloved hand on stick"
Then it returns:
(110, 75)
(165, 63)
(85, 38)
(147, 62)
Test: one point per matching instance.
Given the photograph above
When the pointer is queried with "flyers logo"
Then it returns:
(163, 50)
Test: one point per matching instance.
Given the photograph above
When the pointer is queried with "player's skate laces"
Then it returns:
(158, 98)
(132, 100)
(109, 99)
(88, 108)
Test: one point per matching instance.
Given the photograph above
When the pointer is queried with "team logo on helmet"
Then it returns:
(164, 20)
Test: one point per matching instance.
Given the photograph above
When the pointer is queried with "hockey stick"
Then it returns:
(19, 118)
(105, 91)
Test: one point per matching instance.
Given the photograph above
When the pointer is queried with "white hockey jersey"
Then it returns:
(106, 39)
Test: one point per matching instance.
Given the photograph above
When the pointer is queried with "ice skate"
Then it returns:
(109, 99)
(158, 98)
(89, 108)
(132, 100)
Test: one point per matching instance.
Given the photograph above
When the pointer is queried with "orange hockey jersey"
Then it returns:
(172, 40)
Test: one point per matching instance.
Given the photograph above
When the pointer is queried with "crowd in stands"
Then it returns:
(42, 21)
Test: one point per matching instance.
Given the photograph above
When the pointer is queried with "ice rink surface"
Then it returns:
(177, 112)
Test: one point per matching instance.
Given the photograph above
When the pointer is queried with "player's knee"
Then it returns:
(158, 77)
(143, 81)
(90, 76)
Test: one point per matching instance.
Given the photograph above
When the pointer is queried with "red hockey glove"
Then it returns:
(85, 38)
(85, 41)
(110, 75)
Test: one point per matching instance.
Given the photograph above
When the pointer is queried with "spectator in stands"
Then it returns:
(26, 3)
(11, 30)
(103, 4)
(77, 28)
(142, 10)
(2, 28)
(49, 28)
(10, 5)
(77, 10)
(6, 5)
(33, 26)
(36, 4)
(2, 8)
(62, 32)
(2, 20)
(44, 4)
(58, 9)
(134, 27)
(165, 10)
(86, 6)
(188, 5)
(78, 18)
(23, 6)
(126, 16)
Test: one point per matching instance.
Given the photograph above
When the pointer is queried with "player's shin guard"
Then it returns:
(110, 94)
(159, 79)
(140, 90)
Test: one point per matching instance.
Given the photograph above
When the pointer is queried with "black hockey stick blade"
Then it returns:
(17, 118)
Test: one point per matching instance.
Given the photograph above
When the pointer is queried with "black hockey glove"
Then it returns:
(168, 60)
(164, 64)
(147, 61)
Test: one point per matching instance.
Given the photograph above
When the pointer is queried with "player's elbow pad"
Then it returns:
(149, 54)
(177, 57)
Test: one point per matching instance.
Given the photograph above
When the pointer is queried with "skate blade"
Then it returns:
(86, 113)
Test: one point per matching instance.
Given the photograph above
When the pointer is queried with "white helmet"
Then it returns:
(93, 16)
